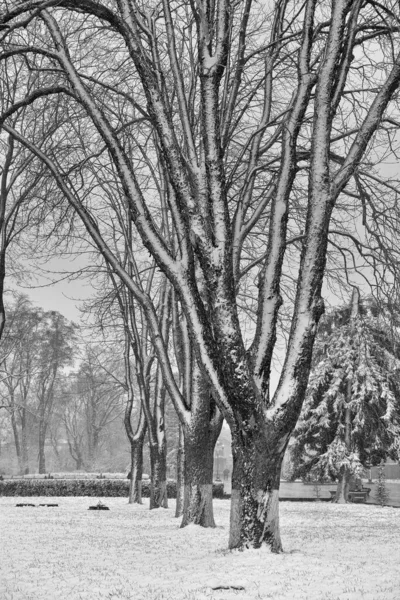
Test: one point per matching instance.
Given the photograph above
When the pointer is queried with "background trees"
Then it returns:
(37, 345)
(56, 398)
(55, 352)
(351, 416)
(18, 368)
(257, 134)
(94, 399)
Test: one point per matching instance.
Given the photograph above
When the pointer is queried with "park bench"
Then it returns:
(355, 495)
(359, 495)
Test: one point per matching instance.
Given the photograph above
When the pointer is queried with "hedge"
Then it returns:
(84, 487)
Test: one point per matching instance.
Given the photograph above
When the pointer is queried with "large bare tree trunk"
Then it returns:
(199, 431)
(200, 436)
(255, 495)
(198, 477)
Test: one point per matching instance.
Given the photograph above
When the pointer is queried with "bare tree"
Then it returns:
(282, 151)
(55, 351)
(94, 399)
(20, 347)
(35, 347)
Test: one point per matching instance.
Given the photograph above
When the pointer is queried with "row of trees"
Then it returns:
(54, 390)
(220, 158)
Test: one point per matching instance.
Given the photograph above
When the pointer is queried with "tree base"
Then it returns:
(255, 521)
(158, 496)
(198, 507)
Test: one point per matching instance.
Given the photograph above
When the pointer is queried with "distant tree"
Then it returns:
(18, 365)
(55, 351)
(351, 415)
(36, 346)
(20, 176)
(93, 401)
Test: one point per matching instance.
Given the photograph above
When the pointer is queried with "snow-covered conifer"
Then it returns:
(353, 391)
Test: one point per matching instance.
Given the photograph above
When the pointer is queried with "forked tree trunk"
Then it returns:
(158, 477)
(180, 475)
(135, 485)
(254, 516)
(199, 444)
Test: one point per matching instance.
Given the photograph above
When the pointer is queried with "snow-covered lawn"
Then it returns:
(331, 552)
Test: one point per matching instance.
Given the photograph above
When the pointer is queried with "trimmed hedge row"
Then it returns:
(84, 487)
(72, 476)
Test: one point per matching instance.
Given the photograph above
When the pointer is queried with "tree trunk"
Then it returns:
(42, 457)
(2, 272)
(93, 447)
(180, 475)
(79, 463)
(135, 485)
(200, 434)
(24, 450)
(17, 442)
(255, 493)
(24, 443)
(158, 481)
(342, 490)
(199, 444)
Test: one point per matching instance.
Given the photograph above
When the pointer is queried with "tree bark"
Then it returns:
(158, 477)
(255, 494)
(180, 474)
(200, 438)
(135, 486)
(2, 277)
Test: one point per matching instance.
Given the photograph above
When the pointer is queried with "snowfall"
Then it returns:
(332, 552)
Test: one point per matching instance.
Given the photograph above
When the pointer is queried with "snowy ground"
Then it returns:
(331, 552)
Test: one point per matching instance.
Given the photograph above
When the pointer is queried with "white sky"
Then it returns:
(64, 296)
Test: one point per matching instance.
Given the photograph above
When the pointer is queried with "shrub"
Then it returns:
(84, 487)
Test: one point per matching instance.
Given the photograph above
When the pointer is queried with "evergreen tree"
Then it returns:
(351, 415)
